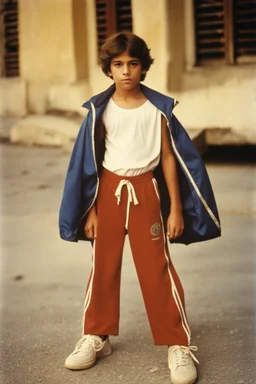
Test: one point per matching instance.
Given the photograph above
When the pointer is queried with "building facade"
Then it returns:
(204, 50)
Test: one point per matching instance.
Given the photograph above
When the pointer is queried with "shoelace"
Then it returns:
(181, 354)
(131, 197)
(87, 342)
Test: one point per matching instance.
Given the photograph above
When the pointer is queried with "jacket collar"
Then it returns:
(162, 102)
(100, 98)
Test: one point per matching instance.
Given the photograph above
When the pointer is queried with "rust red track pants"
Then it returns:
(161, 288)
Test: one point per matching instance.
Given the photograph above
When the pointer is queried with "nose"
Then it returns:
(126, 69)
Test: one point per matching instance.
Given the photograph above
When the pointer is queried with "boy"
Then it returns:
(133, 171)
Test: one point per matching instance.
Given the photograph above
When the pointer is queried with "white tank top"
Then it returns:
(133, 138)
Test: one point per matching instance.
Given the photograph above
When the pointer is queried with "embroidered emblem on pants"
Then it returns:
(155, 229)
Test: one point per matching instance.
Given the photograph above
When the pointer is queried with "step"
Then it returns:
(198, 136)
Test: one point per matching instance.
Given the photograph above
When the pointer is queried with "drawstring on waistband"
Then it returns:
(131, 197)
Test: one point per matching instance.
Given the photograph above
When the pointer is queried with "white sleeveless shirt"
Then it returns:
(133, 138)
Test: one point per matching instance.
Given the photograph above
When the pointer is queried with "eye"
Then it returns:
(134, 63)
(117, 65)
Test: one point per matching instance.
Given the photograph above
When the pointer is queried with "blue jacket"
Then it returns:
(201, 219)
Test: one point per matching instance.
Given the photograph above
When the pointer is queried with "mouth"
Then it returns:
(126, 80)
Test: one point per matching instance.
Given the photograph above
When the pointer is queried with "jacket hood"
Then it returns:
(100, 98)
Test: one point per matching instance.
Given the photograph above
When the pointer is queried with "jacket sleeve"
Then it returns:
(71, 204)
(196, 183)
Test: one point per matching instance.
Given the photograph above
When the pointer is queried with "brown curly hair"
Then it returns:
(121, 42)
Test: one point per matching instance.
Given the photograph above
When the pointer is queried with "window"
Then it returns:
(225, 31)
(9, 48)
(112, 16)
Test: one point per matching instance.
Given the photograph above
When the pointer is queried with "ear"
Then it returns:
(110, 74)
(143, 72)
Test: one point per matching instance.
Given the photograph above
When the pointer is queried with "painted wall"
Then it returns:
(46, 41)
(52, 47)
(220, 98)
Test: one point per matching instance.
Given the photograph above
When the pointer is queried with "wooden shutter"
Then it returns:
(124, 15)
(112, 16)
(244, 30)
(9, 37)
(211, 34)
(106, 20)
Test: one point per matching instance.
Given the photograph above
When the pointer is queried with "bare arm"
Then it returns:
(175, 223)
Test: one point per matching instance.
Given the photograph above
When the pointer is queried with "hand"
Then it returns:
(175, 225)
(90, 227)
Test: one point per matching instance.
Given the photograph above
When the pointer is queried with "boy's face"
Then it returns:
(126, 71)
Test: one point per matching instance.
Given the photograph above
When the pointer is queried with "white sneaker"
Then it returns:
(87, 350)
(180, 361)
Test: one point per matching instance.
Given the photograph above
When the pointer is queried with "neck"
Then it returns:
(132, 93)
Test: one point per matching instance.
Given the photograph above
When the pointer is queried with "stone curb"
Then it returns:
(56, 131)
(44, 130)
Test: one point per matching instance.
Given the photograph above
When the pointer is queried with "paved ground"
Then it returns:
(43, 280)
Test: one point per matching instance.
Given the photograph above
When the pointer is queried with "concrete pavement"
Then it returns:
(43, 280)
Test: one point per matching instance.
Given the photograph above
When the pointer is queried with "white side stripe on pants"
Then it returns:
(174, 288)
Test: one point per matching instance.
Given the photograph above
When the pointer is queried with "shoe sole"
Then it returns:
(87, 365)
(191, 381)
(80, 367)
